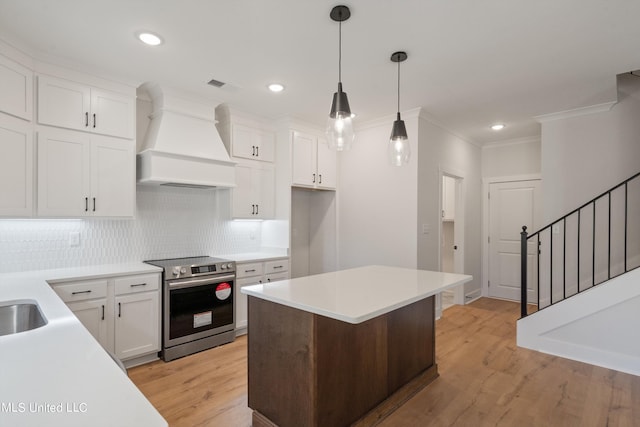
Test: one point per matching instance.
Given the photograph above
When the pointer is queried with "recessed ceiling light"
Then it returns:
(276, 87)
(149, 38)
(497, 126)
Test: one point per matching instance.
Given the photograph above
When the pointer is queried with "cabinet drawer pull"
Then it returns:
(94, 120)
(278, 266)
(138, 284)
(119, 309)
(102, 311)
(81, 292)
(86, 119)
(250, 271)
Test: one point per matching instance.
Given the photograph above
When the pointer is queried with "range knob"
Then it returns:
(223, 266)
(176, 271)
(183, 270)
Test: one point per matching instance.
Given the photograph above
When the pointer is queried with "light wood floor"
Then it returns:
(485, 380)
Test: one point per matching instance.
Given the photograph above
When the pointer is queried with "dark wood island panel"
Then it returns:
(310, 370)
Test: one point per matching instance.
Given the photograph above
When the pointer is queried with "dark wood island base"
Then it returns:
(310, 370)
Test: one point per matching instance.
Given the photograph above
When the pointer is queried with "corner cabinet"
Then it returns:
(72, 105)
(83, 175)
(313, 163)
(254, 273)
(122, 313)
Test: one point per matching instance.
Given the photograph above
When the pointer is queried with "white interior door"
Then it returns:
(512, 205)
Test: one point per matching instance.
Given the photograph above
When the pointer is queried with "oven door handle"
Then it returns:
(180, 284)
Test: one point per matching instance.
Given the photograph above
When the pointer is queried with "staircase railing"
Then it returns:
(586, 247)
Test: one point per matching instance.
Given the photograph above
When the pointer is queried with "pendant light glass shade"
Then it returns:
(399, 150)
(339, 130)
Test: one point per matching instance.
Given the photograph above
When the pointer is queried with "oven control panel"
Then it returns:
(195, 267)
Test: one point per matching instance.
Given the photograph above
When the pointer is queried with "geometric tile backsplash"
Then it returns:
(169, 222)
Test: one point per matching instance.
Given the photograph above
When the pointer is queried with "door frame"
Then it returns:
(459, 236)
(485, 219)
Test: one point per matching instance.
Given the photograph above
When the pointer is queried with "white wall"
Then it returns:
(442, 151)
(511, 158)
(585, 155)
(378, 203)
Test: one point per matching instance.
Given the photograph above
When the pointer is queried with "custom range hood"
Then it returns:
(181, 146)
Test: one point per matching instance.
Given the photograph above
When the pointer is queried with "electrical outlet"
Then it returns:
(426, 229)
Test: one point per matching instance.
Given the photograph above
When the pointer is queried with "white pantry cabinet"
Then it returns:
(254, 273)
(122, 313)
(85, 175)
(72, 105)
(254, 194)
(16, 173)
(313, 163)
(252, 143)
(16, 89)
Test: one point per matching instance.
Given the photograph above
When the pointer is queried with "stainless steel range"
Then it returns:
(197, 304)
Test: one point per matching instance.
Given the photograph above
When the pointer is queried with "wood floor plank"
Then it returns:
(485, 380)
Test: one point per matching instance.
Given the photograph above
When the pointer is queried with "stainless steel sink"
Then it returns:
(20, 317)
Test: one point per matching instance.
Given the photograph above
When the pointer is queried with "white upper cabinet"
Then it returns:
(251, 143)
(314, 164)
(16, 89)
(254, 194)
(84, 175)
(448, 198)
(16, 173)
(71, 105)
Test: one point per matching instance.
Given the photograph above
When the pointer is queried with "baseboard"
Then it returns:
(472, 296)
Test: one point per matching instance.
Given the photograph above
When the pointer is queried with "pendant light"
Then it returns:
(399, 150)
(339, 126)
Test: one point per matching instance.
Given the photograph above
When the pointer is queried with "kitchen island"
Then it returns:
(341, 348)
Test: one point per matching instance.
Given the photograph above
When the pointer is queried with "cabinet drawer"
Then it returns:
(276, 266)
(274, 277)
(80, 291)
(249, 269)
(139, 283)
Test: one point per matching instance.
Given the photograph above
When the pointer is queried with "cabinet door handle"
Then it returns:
(94, 120)
(86, 204)
(253, 209)
(314, 178)
(94, 204)
(257, 151)
(320, 176)
(102, 311)
(138, 284)
(253, 150)
(86, 119)
(81, 292)
(119, 309)
(257, 209)
(269, 280)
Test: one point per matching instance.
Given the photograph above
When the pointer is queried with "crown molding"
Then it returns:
(514, 141)
(582, 111)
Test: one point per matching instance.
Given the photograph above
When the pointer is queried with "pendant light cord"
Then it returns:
(398, 86)
(340, 52)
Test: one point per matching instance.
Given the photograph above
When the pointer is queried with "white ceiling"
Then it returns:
(471, 62)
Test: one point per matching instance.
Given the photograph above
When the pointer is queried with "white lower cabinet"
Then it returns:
(122, 313)
(255, 273)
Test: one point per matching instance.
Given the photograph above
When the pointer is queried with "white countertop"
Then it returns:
(264, 255)
(58, 375)
(357, 294)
